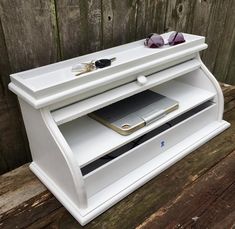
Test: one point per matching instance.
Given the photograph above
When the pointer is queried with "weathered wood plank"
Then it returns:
(5, 69)
(215, 31)
(94, 28)
(229, 97)
(13, 143)
(119, 22)
(32, 195)
(192, 207)
(201, 15)
(79, 25)
(179, 15)
(27, 39)
(150, 17)
(128, 213)
(221, 213)
(224, 50)
(230, 77)
(4, 64)
(30, 33)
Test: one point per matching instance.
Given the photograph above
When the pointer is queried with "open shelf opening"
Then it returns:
(90, 140)
(122, 150)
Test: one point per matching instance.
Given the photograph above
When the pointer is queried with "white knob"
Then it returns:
(142, 80)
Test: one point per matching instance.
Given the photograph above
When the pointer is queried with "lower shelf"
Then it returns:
(158, 164)
(109, 196)
(156, 146)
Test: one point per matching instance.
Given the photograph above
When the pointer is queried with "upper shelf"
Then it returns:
(83, 107)
(52, 83)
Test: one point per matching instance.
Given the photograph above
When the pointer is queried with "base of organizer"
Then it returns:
(83, 216)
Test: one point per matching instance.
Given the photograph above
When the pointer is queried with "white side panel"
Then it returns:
(52, 154)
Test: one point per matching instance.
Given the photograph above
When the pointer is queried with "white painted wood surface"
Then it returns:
(49, 84)
(75, 110)
(63, 139)
(88, 138)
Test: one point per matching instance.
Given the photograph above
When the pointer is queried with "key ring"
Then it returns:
(88, 67)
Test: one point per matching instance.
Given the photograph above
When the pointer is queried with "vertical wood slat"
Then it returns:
(150, 17)
(179, 15)
(119, 22)
(201, 15)
(27, 40)
(4, 64)
(215, 31)
(226, 47)
(79, 25)
(13, 149)
(230, 77)
(29, 29)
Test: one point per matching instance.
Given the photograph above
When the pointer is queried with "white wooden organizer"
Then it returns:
(69, 148)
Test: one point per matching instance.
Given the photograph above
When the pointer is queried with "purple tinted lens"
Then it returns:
(154, 41)
(176, 38)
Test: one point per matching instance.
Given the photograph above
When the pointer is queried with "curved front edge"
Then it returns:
(68, 157)
(53, 160)
(217, 87)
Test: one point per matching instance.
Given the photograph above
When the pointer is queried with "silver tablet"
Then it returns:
(133, 113)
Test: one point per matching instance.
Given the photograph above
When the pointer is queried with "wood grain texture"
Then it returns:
(201, 15)
(205, 204)
(119, 22)
(4, 64)
(226, 44)
(23, 194)
(29, 30)
(27, 40)
(179, 15)
(79, 26)
(215, 29)
(230, 77)
(14, 149)
(150, 17)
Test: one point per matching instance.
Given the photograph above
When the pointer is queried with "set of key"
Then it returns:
(91, 66)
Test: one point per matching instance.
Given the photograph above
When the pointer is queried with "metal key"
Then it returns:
(88, 67)
(84, 68)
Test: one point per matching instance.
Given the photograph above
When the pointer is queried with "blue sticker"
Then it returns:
(162, 144)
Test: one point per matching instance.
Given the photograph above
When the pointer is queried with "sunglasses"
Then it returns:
(154, 40)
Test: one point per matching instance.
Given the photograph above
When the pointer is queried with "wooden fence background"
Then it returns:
(39, 32)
